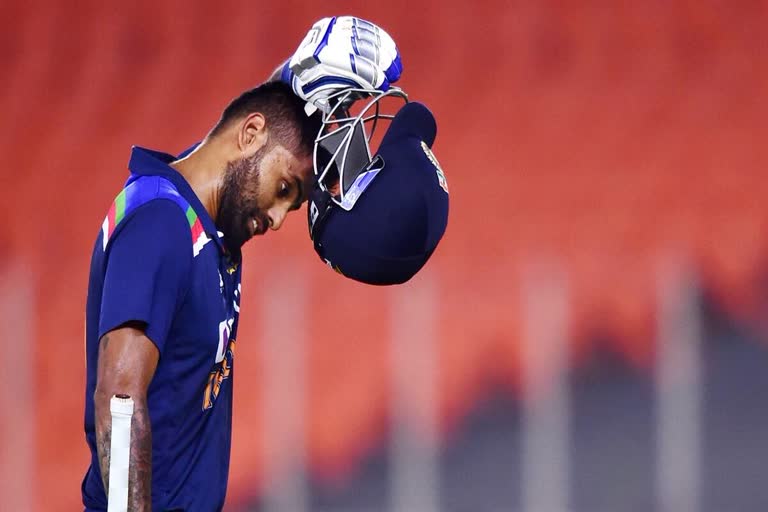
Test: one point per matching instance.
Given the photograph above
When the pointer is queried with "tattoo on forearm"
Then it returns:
(140, 469)
(103, 440)
(140, 472)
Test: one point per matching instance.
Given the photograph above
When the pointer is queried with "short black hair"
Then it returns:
(287, 121)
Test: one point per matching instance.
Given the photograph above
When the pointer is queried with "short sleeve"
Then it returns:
(148, 264)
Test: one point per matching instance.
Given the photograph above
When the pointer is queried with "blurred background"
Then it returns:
(591, 335)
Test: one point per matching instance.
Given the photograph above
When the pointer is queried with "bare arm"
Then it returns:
(127, 362)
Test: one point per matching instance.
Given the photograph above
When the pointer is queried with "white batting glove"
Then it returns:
(340, 53)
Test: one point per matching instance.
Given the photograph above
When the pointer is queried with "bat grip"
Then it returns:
(121, 407)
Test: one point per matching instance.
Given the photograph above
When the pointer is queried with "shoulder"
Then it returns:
(147, 209)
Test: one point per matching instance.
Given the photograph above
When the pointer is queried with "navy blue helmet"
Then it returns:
(377, 218)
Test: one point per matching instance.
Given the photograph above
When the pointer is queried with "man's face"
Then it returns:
(259, 191)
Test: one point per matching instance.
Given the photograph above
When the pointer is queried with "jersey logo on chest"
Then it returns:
(218, 375)
(225, 350)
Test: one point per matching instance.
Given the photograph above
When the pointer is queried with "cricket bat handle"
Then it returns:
(121, 407)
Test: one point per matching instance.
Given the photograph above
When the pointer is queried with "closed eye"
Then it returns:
(284, 191)
(299, 195)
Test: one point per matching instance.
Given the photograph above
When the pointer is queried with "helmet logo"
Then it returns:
(332, 266)
(440, 174)
(361, 182)
(313, 214)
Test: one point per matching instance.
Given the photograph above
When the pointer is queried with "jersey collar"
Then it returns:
(146, 162)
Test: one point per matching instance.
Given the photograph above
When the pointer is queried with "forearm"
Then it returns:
(140, 465)
(140, 468)
(103, 437)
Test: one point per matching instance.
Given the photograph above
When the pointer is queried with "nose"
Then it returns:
(276, 218)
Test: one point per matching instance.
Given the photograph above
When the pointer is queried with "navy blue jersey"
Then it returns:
(159, 260)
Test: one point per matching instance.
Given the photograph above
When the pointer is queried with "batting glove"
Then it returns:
(340, 53)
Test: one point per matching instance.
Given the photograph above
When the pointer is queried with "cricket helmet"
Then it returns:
(376, 217)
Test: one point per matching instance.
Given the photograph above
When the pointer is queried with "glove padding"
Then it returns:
(340, 53)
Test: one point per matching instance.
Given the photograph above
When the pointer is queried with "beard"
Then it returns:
(238, 201)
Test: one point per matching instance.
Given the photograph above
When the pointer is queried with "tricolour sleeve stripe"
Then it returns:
(140, 192)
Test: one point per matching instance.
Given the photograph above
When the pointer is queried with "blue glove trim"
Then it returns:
(363, 24)
(286, 74)
(354, 41)
(328, 80)
(324, 41)
(352, 63)
(394, 70)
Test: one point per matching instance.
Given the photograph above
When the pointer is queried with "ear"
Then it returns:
(253, 133)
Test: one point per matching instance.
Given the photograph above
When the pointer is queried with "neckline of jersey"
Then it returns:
(148, 162)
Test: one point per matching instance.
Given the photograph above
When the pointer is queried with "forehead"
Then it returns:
(296, 165)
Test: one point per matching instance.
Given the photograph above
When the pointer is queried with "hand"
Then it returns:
(340, 53)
